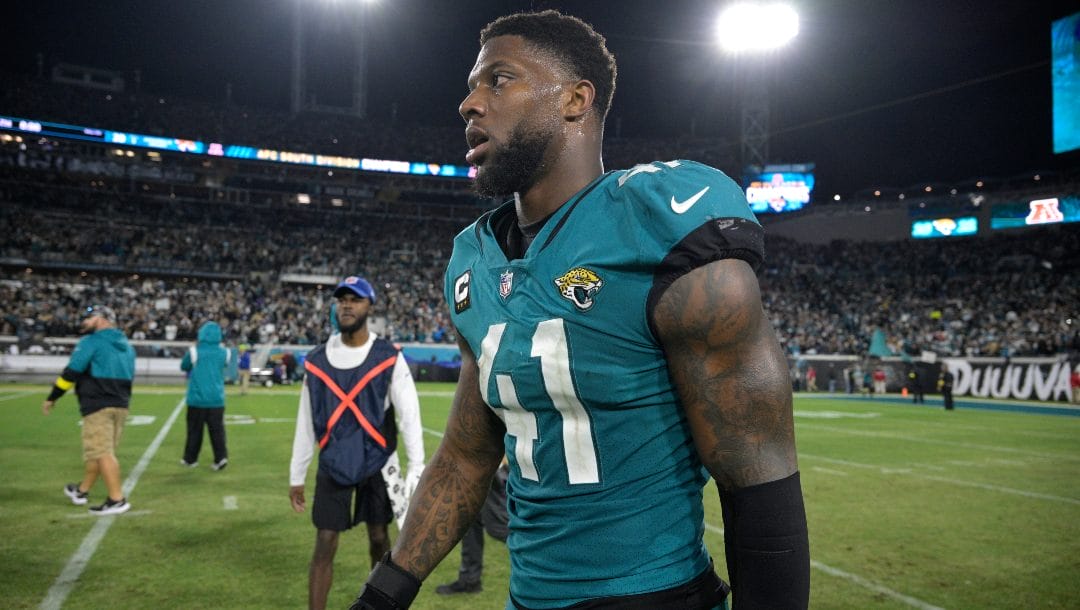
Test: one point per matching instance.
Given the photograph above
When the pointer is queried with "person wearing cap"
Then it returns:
(357, 394)
(101, 370)
(205, 363)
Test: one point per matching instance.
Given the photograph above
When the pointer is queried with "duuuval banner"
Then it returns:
(1022, 379)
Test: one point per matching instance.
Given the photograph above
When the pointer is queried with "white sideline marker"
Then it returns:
(230, 503)
(130, 513)
(65, 582)
(873, 586)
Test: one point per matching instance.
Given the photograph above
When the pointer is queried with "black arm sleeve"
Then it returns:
(55, 394)
(64, 382)
(715, 240)
(388, 587)
(766, 545)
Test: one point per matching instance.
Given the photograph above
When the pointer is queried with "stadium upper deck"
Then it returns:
(222, 238)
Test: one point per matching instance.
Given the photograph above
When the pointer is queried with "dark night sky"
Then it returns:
(875, 92)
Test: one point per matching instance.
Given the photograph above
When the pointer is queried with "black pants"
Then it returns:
(493, 519)
(946, 395)
(214, 420)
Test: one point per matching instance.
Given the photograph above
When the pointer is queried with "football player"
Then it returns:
(614, 345)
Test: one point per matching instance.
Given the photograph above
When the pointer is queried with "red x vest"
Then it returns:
(356, 433)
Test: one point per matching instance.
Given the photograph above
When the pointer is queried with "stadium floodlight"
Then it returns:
(756, 27)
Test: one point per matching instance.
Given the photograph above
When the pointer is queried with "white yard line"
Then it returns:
(829, 471)
(931, 441)
(433, 432)
(873, 586)
(7, 397)
(130, 513)
(67, 579)
(951, 481)
(855, 579)
(936, 426)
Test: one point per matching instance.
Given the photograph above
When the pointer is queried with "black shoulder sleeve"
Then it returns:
(717, 239)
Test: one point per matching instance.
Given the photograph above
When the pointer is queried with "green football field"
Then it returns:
(908, 507)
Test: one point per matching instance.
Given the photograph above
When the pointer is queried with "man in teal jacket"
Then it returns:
(205, 362)
(101, 369)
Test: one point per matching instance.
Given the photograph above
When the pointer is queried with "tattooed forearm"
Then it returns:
(455, 481)
(445, 505)
(730, 374)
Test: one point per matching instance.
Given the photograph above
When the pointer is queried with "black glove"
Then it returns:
(389, 587)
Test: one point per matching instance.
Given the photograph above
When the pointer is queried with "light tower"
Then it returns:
(357, 14)
(750, 31)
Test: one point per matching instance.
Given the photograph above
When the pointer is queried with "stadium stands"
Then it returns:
(173, 240)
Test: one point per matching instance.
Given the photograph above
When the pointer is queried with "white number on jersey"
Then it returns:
(550, 345)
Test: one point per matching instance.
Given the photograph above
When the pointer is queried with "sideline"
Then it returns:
(67, 579)
(817, 565)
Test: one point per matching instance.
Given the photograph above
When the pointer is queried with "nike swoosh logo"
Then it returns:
(680, 207)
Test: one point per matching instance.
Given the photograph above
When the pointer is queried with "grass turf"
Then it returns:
(908, 506)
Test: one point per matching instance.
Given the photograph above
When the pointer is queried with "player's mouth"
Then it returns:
(478, 146)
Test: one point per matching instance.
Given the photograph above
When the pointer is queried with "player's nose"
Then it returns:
(473, 105)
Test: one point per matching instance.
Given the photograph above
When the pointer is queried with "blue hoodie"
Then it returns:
(206, 362)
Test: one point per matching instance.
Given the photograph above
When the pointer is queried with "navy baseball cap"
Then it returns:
(356, 285)
(99, 310)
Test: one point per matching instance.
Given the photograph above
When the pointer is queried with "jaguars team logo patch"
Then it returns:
(461, 292)
(506, 283)
(579, 285)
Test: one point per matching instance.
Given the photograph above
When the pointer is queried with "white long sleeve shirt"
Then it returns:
(402, 393)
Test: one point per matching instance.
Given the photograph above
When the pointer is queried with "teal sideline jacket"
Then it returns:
(102, 368)
(206, 362)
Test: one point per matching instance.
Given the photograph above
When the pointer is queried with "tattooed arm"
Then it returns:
(456, 480)
(730, 374)
(732, 381)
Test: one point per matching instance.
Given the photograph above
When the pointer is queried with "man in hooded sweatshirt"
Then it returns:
(100, 369)
(205, 363)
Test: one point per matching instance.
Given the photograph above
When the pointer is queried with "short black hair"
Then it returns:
(571, 41)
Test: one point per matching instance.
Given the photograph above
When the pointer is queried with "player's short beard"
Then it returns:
(515, 168)
(361, 322)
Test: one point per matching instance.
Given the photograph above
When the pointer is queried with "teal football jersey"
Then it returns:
(605, 488)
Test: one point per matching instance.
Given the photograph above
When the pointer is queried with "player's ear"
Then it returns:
(578, 100)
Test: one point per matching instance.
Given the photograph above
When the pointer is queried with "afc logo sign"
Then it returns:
(1044, 211)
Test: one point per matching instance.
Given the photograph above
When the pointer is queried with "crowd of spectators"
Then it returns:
(1007, 295)
(73, 235)
(162, 309)
(174, 265)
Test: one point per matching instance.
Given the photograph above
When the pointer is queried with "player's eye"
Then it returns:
(497, 80)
